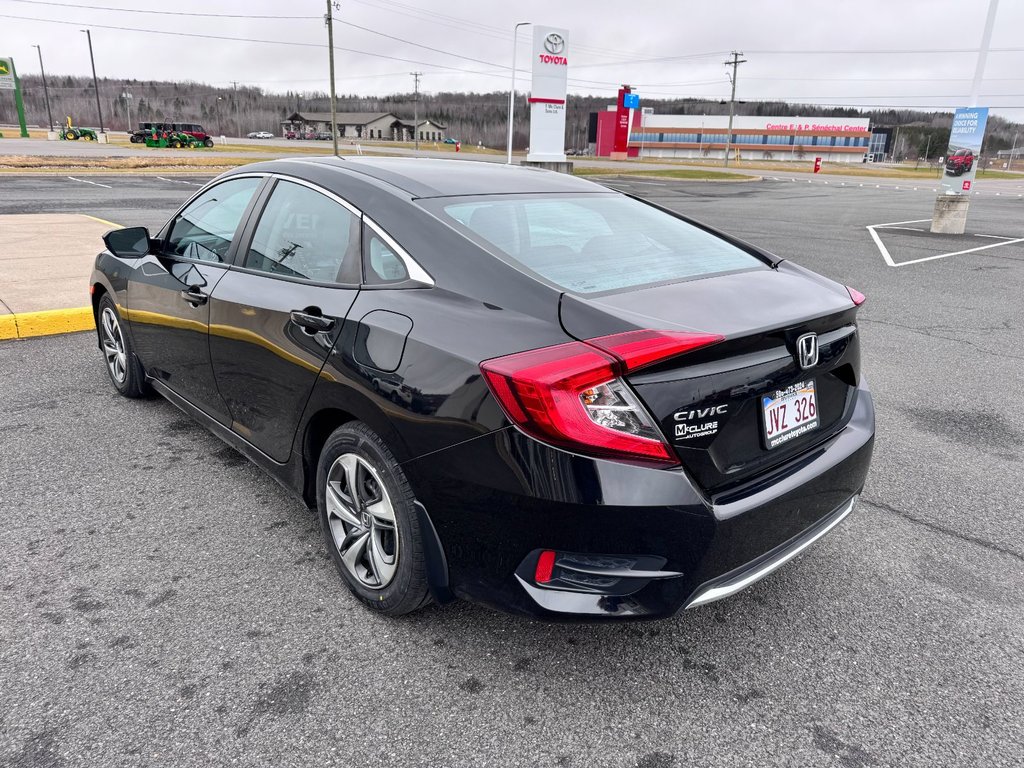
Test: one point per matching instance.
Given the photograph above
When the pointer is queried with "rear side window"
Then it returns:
(598, 243)
(305, 234)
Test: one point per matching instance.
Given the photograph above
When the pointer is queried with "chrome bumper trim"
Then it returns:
(745, 578)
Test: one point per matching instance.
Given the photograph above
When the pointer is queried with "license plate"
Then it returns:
(789, 413)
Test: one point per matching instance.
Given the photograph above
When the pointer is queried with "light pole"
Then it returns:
(95, 82)
(46, 90)
(512, 90)
(127, 104)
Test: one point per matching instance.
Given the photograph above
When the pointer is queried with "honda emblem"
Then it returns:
(807, 350)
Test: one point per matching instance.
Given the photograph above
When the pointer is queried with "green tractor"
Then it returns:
(70, 132)
(183, 140)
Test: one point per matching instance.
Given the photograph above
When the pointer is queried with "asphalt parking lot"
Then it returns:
(162, 602)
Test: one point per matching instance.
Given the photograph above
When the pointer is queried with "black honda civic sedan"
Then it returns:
(502, 384)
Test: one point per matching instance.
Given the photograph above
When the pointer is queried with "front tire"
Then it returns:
(369, 524)
(122, 366)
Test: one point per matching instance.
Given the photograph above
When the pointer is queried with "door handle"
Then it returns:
(195, 297)
(311, 321)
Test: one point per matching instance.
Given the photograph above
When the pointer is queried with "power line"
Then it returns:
(453, 22)
(886, 51)
(240, 39)
(160, 13)
(574, 81)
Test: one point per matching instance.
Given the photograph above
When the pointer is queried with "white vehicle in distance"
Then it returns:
(259, 135)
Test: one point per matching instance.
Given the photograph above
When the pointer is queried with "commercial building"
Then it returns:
(838, 140)
(383, 126)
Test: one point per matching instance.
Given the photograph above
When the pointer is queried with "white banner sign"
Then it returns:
(547, 94)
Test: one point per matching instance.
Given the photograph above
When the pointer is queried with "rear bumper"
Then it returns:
(498, 499)
(742, 577)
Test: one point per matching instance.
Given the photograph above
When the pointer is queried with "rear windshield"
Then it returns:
(596, 243)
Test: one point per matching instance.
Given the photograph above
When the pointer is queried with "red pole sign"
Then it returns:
(620, 144)
(817, 164)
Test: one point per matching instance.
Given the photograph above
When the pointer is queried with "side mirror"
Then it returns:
(128, 243)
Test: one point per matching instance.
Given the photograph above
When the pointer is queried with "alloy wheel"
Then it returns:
(113, 345)
(362, 521)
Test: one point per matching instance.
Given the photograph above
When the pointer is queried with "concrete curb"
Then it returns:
(46, 323)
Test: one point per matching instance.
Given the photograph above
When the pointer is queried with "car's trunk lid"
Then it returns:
(710, 402)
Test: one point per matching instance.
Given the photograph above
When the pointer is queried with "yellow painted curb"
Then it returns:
(8, 328)
(102, 221)
(48, 323)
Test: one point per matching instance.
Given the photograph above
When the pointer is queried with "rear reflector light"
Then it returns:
(572, 395)
(545, 565)
(858, 297)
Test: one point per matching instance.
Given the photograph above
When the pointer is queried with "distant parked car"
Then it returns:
(450, 140)
(261, 135)
(323, 136)
(252, 134)
(291, 135)
(960, 162)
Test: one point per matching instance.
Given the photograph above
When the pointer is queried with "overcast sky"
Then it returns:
(868, 52)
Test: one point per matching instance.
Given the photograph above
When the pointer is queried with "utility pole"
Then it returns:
(126, 95)
(234, 107)
(329, 21)
(95, 82)
(734, 63)
(46, 90)
(416, 108)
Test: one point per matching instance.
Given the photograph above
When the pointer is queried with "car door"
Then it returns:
(168, 295)
(275, 317)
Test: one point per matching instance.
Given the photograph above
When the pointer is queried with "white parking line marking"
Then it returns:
(960, 253)
(895, 225)
(176, 181)
(909, 229)
(997, 237)
(878, 241)
(94, 183)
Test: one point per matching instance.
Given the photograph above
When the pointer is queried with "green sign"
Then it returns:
(6, 75)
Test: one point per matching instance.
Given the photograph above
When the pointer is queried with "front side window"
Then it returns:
(203, 231)
(304, 234)
(597, 243)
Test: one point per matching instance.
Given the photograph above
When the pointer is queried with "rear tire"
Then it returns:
(123, 367)
(369, 524)
(208, 142)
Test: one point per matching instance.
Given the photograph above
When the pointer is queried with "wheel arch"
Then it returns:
(320, 423)
(97, 291)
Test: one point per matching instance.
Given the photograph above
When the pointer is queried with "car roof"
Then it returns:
(427, 177)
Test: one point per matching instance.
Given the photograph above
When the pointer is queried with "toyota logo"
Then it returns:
(554, 43)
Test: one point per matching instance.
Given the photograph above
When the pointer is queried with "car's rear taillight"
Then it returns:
(858, 297)
(572, 395)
